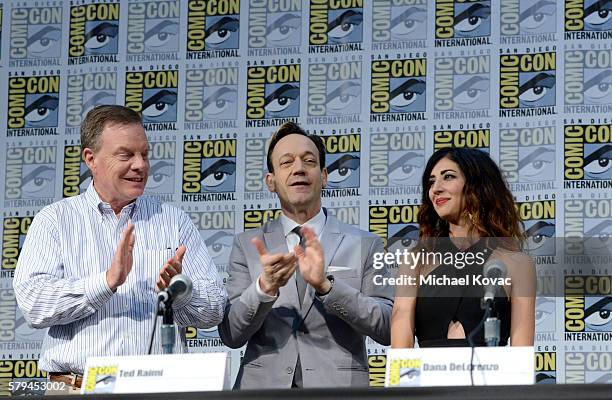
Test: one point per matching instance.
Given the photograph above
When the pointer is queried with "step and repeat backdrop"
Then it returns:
(384, 82)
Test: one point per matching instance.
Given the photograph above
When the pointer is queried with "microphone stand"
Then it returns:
(491, 323)
(168, 336)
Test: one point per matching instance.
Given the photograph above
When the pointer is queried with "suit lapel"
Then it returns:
(331, 237)
(275, 241)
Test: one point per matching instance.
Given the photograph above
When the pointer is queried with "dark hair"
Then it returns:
(291, 128)
(487, 199)
(98, 117)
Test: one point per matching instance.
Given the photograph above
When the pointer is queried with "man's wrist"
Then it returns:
(326, 286)
(268, 290)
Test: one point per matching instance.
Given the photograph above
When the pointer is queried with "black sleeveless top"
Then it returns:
(438, 305)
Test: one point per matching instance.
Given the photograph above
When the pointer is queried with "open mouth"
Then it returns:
(440, 202)
(137, 179)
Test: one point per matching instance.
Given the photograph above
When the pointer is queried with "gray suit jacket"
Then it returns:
(329, 334)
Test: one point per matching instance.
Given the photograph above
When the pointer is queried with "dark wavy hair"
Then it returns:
(488, 201)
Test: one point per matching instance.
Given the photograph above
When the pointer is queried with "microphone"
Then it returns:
(491, 274)
(180, 287)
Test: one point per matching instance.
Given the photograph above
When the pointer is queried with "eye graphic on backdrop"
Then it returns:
(40, 109)
(160, 173)
(344, 99)
(160, 36)
(44, 43)
(284, 31)
(598, 89)
(405, 238)
(536, 89)
(407, 94)
(539, 235)
(605, 378)
(534, 19)
(544, 308)
(598, 164)
(99, 98)
(537, 165)
(218, 244)
(281, 100)
(221, 32)
(38, 182)
(472, 94)
(543, 378)
(598, 317)
(221, 103)
(405, 25)
(341, 170)
(101, 36)
(346, 27)
(157, 105)
(598, 16)
(218, 173)
(598, 239)
(473, 21)
(405, 169)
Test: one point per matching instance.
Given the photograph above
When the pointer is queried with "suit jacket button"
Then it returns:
(289, 370)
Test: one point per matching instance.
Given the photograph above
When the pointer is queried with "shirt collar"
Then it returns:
(317, 223)
(93, 198)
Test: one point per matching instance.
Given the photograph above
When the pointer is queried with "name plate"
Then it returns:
(450, 366)
(156, 373)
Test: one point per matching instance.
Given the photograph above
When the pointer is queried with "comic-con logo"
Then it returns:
(588, 307)
(153, 27)
(209, 170)
(396, 225)
(30, 174)
(273, 94)
(155, 95)
(461, 87)
(539, 220)
(76, 176)
(334, 92)
(462, 22)
(526, 21)
(203, 339)
(35, 36)
(84, 92)
(217, 231)
(588, 19)
(335, 26)
(587, 154)
(33, 103)
(14, 230)
(211, 98)
(256, 168)
(545, 367)
(162, 157)
(396, 162)
(399, 24)
(347, 212)
(527, 156)
(588, 81)
(588, 229)
(213, 28)
(472, 137)
(546, 304)
(398, 90)
(22, 371)
(343, 159)
(527, 84)
(588, 367)
(256, 218)
(274, 26)
(94, 33)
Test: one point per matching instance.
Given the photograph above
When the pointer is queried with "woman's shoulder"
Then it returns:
(513, 259)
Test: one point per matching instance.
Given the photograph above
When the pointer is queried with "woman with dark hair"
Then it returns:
(467, 214)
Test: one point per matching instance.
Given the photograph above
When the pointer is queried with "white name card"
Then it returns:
(450, 366)
(156, 373)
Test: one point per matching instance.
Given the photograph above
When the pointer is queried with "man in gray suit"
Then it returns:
(301, 288)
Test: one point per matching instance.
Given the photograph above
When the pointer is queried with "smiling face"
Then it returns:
(120, 166)
(297, 178)
(446, 183)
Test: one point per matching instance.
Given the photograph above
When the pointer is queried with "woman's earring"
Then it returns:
(471, 217)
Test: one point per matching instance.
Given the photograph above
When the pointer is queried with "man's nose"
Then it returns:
(140, 162)
(298, 166)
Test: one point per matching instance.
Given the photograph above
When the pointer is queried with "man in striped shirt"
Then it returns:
(91, 265)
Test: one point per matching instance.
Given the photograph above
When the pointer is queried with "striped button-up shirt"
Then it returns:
(60, 279)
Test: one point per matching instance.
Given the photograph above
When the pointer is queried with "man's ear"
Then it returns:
(270, 182)
(89, 158)
(324, 176)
